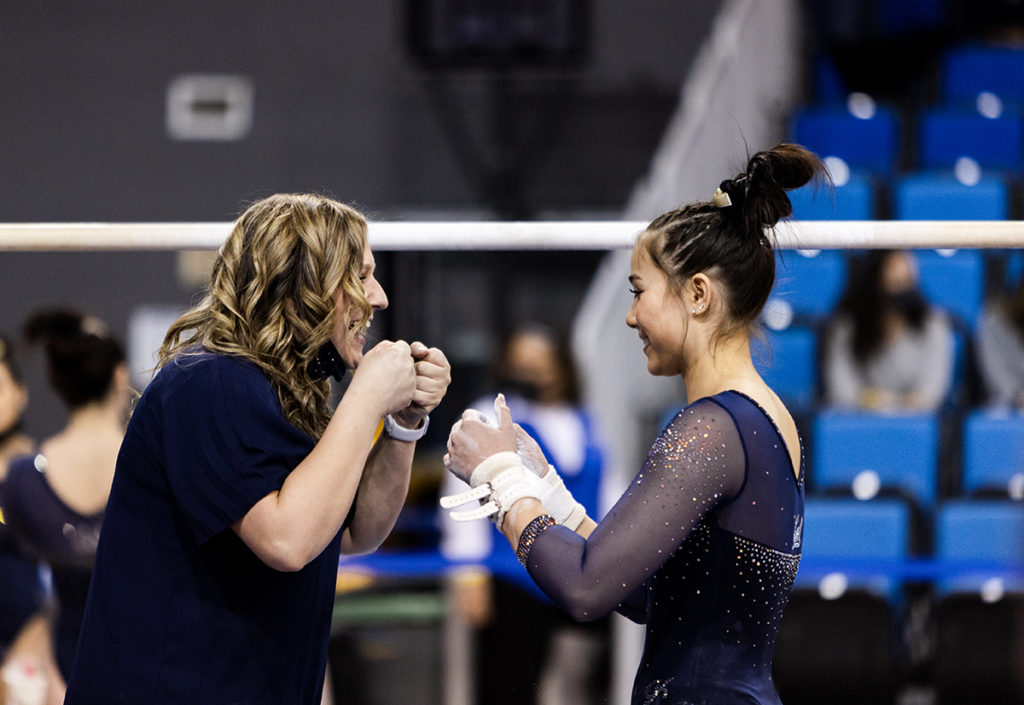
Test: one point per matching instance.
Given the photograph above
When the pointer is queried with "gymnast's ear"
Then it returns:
(700, 294)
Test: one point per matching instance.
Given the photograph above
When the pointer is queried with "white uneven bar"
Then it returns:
(524, 235)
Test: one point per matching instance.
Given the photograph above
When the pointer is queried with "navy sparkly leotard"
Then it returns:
(703, 548)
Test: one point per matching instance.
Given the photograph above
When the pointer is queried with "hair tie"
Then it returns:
(721, 198)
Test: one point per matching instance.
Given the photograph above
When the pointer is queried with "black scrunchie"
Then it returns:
(737, 190)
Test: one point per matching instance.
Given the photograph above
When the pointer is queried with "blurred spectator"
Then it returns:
(1000, 348)
(887, 348)
(557, 659)
(54, 501)
(20, 589)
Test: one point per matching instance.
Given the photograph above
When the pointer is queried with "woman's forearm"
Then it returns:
(381, 496)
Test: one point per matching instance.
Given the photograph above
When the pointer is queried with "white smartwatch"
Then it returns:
(401, 433)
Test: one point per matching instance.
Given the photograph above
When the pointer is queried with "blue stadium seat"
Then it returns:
(993, 447)
(810, 282)
(867, 537)
(896, 453)
(954, 280)
(832, 131)
(854, 200)
(897, 17)
(790, 365)
(988, 533)
(1014, 269)
(845, 589)
(947, 134)
(972, 69)
(977, 635)
(939, 196)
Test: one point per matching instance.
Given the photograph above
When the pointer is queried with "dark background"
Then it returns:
(344, 104)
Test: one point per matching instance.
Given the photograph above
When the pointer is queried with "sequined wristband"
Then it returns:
(534, 529)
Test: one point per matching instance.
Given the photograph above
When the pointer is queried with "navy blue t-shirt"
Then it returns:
(180, 610)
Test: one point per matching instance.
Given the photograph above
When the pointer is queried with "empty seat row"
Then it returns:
(866, 616)
(969, 194)
(866, 455)
(872, 143)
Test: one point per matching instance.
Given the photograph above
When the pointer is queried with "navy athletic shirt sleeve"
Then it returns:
(229, 449)
(696, 462)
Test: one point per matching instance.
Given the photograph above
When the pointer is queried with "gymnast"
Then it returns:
(236, 487)
(704, 545)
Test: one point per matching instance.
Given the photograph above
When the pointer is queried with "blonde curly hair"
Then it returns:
(271, 297)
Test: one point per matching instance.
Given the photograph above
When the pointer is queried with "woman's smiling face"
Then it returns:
(347, 338)
(657, 314)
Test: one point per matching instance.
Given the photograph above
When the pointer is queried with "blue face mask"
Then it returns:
(327, 363)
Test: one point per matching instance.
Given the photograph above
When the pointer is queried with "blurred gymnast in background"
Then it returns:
(54, 500)
(704, 545)
(20, 587)
(237, 488)
(536, 370)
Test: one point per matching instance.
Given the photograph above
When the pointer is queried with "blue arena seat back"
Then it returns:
(870, 144)
(939, 196)
(947, 134)
(993, 447)
(901, 451)
(789, 365)
(953, 280)
(988, 533)
(971, 69)
(868, 539)
(853, 200)
(810, 282)
(904, 16)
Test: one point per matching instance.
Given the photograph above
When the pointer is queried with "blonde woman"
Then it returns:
(236, 487)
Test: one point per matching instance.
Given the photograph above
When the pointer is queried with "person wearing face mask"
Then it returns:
(559, 661)
(237, 487)
(887, 347)
(20, 587)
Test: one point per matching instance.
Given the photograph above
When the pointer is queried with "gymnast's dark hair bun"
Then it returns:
(758, 195)
(730, 234)
(81, 354)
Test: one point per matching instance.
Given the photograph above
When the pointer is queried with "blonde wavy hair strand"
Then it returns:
(271, 297)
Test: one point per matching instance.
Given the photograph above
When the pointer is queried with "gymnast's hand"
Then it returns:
(433, 375)
(530, 453)
(473, 439)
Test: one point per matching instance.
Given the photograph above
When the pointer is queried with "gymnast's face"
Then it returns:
(348, 338)
(657, 314)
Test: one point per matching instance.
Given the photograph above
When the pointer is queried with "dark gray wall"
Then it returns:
(340, 107)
